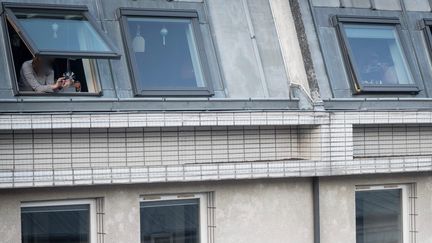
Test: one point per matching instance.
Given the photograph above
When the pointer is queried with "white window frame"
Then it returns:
(90, 202)
(405, 205)
(203, 210)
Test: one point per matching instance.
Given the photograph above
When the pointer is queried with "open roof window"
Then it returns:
(66, 32)
(54, 48)
(374, 54)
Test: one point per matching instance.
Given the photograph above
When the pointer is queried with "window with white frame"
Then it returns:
(174, 219)
(383, 214)
(71, 221)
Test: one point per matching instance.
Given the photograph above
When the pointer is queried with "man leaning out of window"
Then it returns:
(38, 75)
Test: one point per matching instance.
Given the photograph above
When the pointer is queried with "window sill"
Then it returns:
(175, 93)
(58, 94)
(389, 89)
(378, 104)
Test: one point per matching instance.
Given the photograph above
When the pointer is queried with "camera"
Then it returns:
(69, 76)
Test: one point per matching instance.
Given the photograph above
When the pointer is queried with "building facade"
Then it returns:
(216, 121)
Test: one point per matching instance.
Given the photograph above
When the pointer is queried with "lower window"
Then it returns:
(173, 220)
(381, 215)
(61, 222)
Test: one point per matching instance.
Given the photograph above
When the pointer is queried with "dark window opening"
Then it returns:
(174, 221)
(56, 224)
(379, 216)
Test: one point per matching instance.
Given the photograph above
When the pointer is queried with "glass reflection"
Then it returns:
(379, 216)
(61, 32)
(165, 53)
(56, 224)
(378, 55)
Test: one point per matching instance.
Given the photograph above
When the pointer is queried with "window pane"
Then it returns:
(378, 54)
(165, 53)
(61, 32)
(379, 216)
(56, 224)
(170, 222)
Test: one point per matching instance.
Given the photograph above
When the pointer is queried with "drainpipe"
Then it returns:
(316, 209)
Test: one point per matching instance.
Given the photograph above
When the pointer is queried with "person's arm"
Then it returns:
(32, 81)
(58, 85)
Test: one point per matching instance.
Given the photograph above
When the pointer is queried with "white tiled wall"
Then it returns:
(138, 147)
(392, 140)
(211, 147)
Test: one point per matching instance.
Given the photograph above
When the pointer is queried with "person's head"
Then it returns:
(42, 65)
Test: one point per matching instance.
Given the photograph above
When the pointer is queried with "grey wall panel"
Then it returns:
(269, 47)
(335, 65)
(215, 70)
(105, 77)
(387, 4)
(235, 47)
(356, 3)
(422, 48)
(119, 68)
(326, 3)
(418, 5)
(425, 64)
(414, 62)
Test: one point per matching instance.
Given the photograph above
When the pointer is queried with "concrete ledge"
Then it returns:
(378, 104)
(166, 119)
(82, 104)
(211, 172)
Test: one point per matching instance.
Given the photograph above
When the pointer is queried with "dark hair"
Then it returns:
(40, 64)
(37, 64)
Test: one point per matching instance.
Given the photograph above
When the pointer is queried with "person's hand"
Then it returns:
(59, 84)
(77, 86)
(67, 83)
